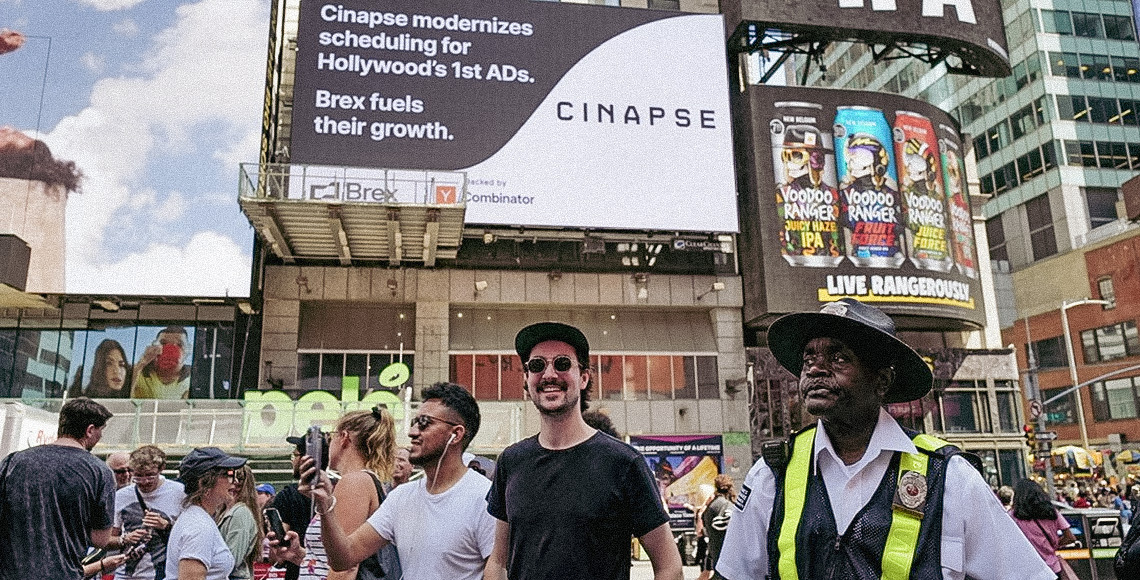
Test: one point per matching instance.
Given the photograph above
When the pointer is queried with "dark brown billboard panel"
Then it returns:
(859, 194)
(970, 29)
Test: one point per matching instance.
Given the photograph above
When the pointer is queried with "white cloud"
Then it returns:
(209, 265)
(171, 209)
(126, 27)
(93, 62)
(109, 5)
(199, 85)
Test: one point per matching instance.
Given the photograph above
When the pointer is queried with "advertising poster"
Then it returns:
(860, 195)
(684, 467)
(559, 114)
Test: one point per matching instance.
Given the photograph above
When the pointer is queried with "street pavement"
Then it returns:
(643, 570)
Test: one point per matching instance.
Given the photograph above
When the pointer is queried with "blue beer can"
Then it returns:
(868, 187)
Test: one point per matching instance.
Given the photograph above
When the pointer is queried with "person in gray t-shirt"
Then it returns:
(56, 499)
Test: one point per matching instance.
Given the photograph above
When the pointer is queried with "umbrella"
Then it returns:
(1128, 456)
(1078, 457)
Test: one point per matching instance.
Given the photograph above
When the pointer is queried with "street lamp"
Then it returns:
(1065, 306)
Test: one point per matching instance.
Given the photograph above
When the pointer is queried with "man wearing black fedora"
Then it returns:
(856, 496)
(569, 500)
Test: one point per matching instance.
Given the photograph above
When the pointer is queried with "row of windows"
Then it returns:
(1100, 203)
(988, 97)
(1098, 110)
(1110, 342)
(1096, 67)
(1087, 24)
(498, 377)
(1006, 131)
(1085, 153)
(1036, 162)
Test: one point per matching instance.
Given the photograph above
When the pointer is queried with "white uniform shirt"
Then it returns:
(978, 536)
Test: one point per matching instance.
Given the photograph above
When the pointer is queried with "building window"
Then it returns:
(1064, 64)
(1049, 353)
(497, 376)
(996, 235)
(332, 371)
(1106, 291)
(1118, 27)
(1088, 25)
(1102, 110)
(1041, 237)
(1110, 342)
(1057, 21)
(1063, 410)
(964, 407)
(1101, 201)
(1007, 403)
(1114, 399)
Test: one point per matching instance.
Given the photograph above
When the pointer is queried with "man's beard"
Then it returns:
(560, 410)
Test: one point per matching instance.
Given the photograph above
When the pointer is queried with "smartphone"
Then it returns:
(314, 447)
(273, 519)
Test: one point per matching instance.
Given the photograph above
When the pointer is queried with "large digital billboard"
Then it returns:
(560, 114)
(971, 29)
(858, 194)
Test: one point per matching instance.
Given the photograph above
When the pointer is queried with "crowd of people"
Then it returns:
(852, 496)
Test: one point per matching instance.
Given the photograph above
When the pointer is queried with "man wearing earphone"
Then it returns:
(569, 500)
(438, 523)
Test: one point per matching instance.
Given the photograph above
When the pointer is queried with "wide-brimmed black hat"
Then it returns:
(529, 337)
(861, 326)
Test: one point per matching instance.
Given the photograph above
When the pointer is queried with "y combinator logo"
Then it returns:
(445, 194)
(351, 191)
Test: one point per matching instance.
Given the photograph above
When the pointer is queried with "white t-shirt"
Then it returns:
(165, 499)
(196, 537)
(446, 535)
(979, 539)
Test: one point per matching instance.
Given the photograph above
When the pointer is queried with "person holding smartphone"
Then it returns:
(362, 449)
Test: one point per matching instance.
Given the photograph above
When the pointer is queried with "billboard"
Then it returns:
(858, 194)
(560, 114)
(970, 29)
(684, 467)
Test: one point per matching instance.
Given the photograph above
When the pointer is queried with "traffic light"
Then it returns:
(1030, 436)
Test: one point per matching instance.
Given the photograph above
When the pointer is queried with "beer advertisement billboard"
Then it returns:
(560, 114)
(862, 195)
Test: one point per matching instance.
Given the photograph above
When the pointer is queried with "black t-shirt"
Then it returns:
(54, 496)
(572, 512)
(296, 511)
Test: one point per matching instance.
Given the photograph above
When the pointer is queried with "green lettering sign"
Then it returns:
(272, 415)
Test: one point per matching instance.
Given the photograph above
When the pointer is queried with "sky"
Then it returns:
(157, 102)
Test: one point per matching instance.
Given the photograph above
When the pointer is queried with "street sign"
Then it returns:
(1035, 409)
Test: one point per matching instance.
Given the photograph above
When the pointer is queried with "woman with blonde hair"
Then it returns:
(242, 527)
(362, 449)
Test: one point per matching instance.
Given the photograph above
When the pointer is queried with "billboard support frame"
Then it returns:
(812, 44)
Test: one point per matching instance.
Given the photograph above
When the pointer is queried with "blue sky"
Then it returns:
(157, 101)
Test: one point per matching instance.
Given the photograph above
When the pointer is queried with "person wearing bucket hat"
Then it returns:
(571, 489)
(196, 548)
(855, 495)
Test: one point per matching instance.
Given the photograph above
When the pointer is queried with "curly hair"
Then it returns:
(147, 456)
(374, 436)
(1030, 502)
(196, 489)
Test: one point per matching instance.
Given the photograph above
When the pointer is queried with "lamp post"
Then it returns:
(1065, 306)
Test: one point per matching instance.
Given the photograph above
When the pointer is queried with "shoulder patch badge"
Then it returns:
(742, 497)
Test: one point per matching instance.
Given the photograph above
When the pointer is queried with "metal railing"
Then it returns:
(334, 184)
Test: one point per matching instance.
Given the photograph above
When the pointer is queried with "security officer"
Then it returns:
(856, 496)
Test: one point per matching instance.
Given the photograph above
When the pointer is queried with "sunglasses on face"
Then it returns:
(235, 476)
(422, 422)
(122, 470)
(150, 477)
(561, 364)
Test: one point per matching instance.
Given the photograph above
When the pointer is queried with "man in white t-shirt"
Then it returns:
(147, 522)
(439, 523)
